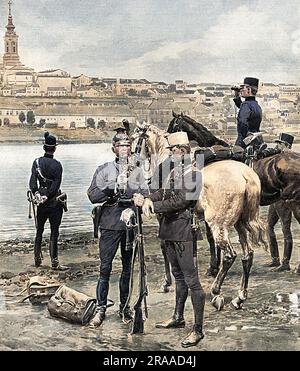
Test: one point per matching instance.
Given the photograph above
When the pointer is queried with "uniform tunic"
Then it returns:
(248, 120)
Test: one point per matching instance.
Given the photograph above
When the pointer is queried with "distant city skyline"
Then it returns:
(161, 40)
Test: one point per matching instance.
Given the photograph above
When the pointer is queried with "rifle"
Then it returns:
(138, 320)
(32, 206)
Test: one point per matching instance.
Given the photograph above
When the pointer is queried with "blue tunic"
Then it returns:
(248, 120)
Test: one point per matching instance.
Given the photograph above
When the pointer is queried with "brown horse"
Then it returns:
(279, 176)
(225, 205)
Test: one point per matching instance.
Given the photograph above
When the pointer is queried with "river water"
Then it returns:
(79, 162)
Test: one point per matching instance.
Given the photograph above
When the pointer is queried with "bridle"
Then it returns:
(143, 138)
(177, 124)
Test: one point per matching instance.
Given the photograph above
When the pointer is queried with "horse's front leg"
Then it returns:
(215, 254)
(229, 256)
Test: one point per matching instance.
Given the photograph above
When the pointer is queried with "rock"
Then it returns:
(231, 328)
(213, 331)
(7, 275)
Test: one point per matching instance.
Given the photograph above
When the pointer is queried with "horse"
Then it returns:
(279, 176)
(225, 205)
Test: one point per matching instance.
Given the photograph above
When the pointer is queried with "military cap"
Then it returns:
(286, 139)
(50, 140)
(178, 139)
(251, 81)
(121, 139)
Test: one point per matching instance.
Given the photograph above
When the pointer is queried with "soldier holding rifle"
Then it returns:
(114, 184)
(175, 203)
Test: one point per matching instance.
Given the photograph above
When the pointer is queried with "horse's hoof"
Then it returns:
(237, 303)
(218, 302)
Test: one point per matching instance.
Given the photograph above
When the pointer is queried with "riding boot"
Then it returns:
(285, 266)
(38, 252)
(287, 253)
(125, 313)
(177, 320)
(193, 337)
(198, 301)
(274, 263)
(53, 250)
(98, 318)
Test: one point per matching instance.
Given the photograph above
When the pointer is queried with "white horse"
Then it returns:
(229, 198)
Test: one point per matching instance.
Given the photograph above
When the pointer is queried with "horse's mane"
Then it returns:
(159, 146)
(200, 133)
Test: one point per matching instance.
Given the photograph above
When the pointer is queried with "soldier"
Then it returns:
(250, 113)
(174, 203)
(113, 184)
(283, 211)
(45, 181)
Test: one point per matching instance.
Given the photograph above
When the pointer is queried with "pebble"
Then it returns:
(231, 328)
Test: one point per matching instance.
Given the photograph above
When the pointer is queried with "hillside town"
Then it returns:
(55, 99)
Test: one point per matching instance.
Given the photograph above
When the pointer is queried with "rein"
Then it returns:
(138, 149)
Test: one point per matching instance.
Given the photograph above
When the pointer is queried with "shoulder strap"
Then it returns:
(38, 169)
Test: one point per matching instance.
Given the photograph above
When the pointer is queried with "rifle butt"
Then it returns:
(138, 321)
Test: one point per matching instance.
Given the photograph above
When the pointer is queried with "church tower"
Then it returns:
(11, 57)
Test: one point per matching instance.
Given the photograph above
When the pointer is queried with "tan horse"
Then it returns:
(229, 198)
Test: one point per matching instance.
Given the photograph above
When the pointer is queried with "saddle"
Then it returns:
(219, 153)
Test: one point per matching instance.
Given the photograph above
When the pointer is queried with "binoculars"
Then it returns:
(236, 88)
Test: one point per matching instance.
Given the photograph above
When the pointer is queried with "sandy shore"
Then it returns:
(268, 321)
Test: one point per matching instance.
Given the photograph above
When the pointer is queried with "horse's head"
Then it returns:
(149, 143)
(139, 139)
(177, 123)
(194, 130)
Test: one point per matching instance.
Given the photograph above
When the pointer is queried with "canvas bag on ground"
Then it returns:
(40, 289)
(72, 305)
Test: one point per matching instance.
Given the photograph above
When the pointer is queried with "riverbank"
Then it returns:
(268, 321)
(28, 135)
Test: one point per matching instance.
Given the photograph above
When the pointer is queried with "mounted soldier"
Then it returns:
(45, 181)
(113, 185)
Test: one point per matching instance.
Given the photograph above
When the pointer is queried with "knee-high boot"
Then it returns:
(53, 250)
(38, 251)
(198, 301)
(177, 320)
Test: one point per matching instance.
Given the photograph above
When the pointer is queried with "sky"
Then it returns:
(161, 40)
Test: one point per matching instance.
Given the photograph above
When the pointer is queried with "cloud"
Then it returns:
(243, 40)
(161, 39)
(296, 38)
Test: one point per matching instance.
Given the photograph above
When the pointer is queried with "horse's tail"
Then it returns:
(250, 214)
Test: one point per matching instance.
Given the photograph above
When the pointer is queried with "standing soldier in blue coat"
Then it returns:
(250, 113)
(114, 183)
(45, 181)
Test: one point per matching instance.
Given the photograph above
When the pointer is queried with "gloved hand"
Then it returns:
(138, 199)
(38, 198)
(148, 208)
(44, 199)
